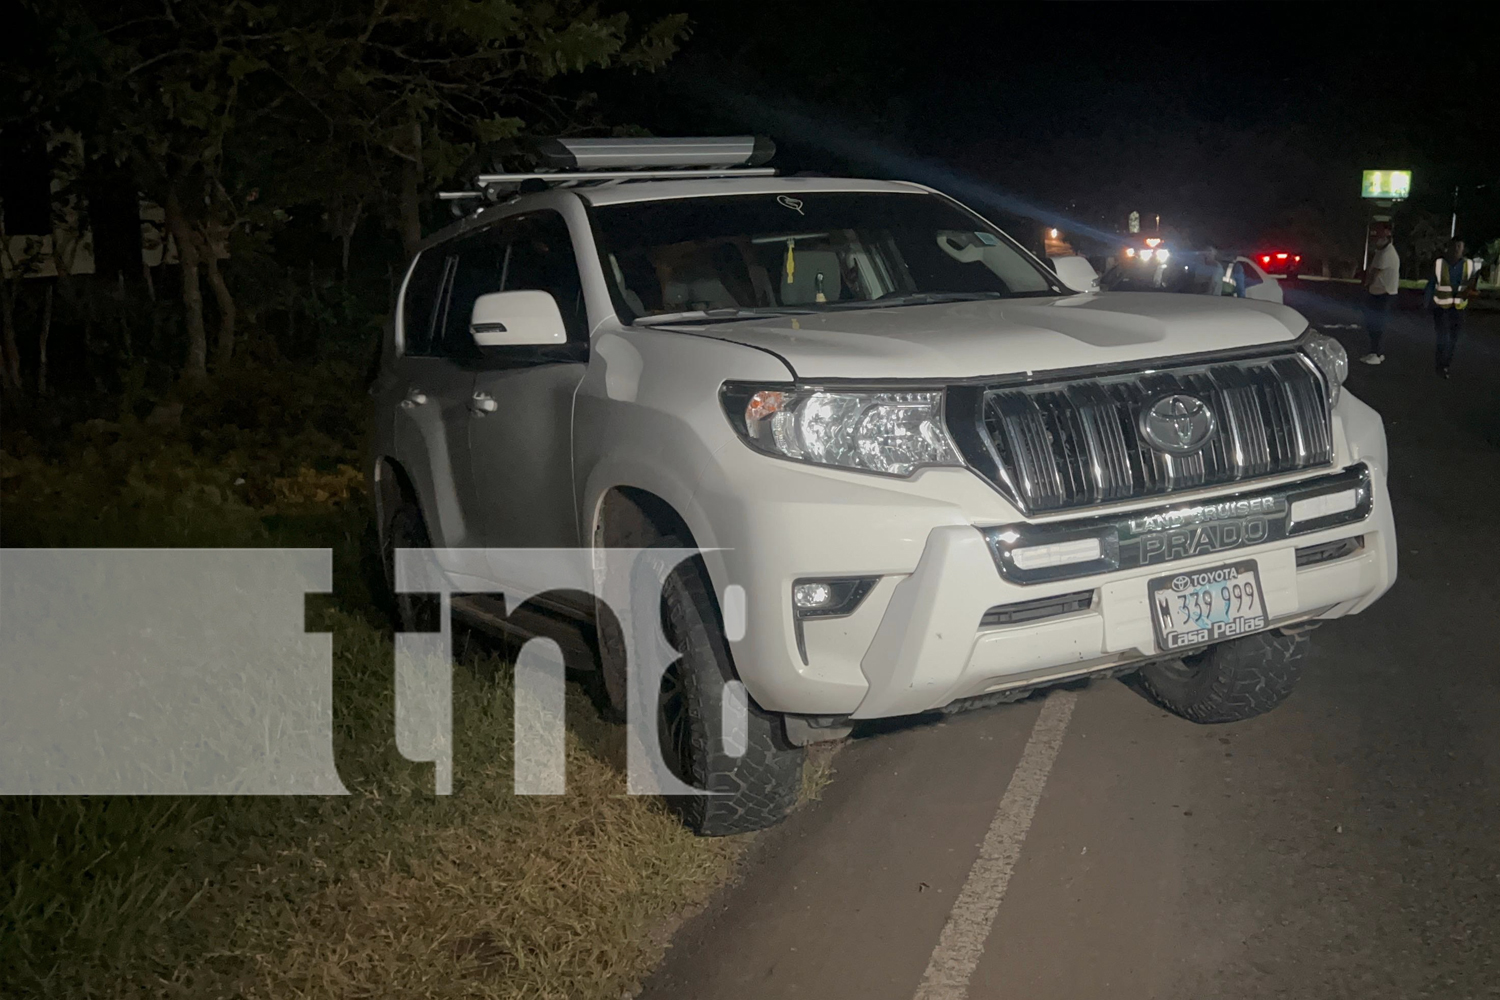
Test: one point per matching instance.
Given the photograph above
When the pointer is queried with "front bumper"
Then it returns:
(918, 641)
(928, 652)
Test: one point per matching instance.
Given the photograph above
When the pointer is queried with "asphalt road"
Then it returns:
(1345, 845)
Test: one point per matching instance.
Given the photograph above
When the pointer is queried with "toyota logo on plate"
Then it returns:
(1177, 424)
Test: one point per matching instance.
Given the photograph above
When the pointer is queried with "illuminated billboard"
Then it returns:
(1392, 185)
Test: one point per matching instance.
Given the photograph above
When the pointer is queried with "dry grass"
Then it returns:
(389, 892)
(818, 770)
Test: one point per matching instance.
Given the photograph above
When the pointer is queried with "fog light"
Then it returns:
(1326, 505)
(832, 598)
(1032, 557)
(808, 596)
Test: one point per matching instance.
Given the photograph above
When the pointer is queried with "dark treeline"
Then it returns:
(231, 182)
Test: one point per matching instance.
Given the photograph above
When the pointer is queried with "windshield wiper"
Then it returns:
(918, 299)
(728, 315)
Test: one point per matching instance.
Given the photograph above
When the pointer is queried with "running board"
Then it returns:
(536, 619)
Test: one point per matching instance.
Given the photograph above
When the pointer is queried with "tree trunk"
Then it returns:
(12, 366)
(64, 257)
(224, 349)
(196, 368)
(411, 194)
(411, 209)
(120, 301)
(291, 310)
(41, 342)
(346, 234)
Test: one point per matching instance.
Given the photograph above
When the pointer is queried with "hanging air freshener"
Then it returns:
(818, 285)
(791, 262)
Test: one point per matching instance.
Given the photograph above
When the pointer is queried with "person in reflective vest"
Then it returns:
(1454, 280)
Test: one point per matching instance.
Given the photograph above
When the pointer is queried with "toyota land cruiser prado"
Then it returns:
(937, 472)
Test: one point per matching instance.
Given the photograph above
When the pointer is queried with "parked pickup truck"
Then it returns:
(940, 476)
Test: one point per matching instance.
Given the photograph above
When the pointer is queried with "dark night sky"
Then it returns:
(1238, 122)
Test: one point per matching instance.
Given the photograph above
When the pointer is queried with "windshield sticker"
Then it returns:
(787, 201)
(988, 239)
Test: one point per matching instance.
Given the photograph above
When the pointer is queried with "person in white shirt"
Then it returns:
(1382, 283)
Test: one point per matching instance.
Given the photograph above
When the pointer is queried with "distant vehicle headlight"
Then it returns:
(1329, 355)
(893, 433)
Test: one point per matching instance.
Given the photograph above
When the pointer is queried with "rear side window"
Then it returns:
(420, 303)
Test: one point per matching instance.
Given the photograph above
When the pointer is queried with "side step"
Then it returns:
(568, 627)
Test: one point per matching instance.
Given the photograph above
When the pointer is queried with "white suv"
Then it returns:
(939, 475)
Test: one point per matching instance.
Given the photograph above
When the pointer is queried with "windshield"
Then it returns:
(752, 254)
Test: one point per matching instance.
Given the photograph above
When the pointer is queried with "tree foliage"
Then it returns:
(234, 115)
(402, 96)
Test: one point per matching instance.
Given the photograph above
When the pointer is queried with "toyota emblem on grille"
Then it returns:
(1177, 424)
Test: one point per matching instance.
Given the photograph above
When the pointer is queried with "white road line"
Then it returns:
(973, 915)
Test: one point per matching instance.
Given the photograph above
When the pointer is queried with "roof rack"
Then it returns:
(595, 161)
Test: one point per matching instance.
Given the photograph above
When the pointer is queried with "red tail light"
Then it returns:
(1281, 256)
(1265, 258)
(1297, 258)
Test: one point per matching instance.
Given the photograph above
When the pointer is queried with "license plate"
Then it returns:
(1200, 606)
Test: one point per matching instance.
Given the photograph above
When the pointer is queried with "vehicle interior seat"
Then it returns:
(631, 298)
(696, 277)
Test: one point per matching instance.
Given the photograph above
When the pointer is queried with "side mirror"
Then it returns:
(1075, 272)
(517, 319)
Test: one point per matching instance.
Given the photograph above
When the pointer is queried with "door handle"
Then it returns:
(414, 397)
(481, 403)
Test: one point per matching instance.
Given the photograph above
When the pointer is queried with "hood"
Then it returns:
(1002, 337)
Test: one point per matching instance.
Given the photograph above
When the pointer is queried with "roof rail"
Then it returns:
(594, 161)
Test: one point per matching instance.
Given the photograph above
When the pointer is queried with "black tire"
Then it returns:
(756, 789)
(1231, 681)
(407, 530)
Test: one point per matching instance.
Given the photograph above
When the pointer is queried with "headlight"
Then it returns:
(894, 433)
(1329, 355)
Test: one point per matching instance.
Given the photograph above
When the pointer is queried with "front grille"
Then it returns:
(1075, 442)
